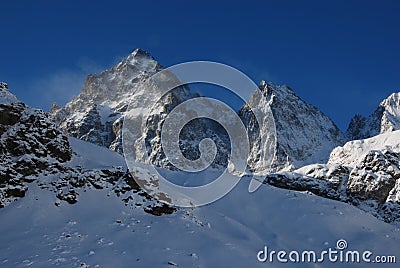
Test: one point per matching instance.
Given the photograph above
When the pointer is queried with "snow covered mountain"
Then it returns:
(304, 134)
(385, 118)
(96, 114)
(72, 203)
(75, 206)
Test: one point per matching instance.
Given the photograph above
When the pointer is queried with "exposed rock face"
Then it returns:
(27, 131)
(304, 134)
(375, 176)
(298, 182)
(29, 144)
(32, 149)
(336, 174)
(386, 118)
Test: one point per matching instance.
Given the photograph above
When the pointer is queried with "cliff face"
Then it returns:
(304, 134)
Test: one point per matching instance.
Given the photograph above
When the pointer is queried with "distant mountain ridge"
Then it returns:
(311, 152)
(305, 134)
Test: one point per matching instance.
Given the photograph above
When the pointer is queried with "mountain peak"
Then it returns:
(384, 119)
(141, 53)
(139, 59)
(393, 101)
(262, 84)
(3, 85)
(281, 90)
(95, 114)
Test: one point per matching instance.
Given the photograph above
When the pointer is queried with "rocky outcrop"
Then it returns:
(29, 144)
(365, 173)
(34, 150)
(375, 176)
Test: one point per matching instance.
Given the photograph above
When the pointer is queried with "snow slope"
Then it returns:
(99, 231)
(91, 156)
(353, 151)
(73, 216)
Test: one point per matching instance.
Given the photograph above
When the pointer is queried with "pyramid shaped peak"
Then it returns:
(140, 53)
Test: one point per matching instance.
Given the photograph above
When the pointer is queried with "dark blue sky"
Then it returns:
(341, 56)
